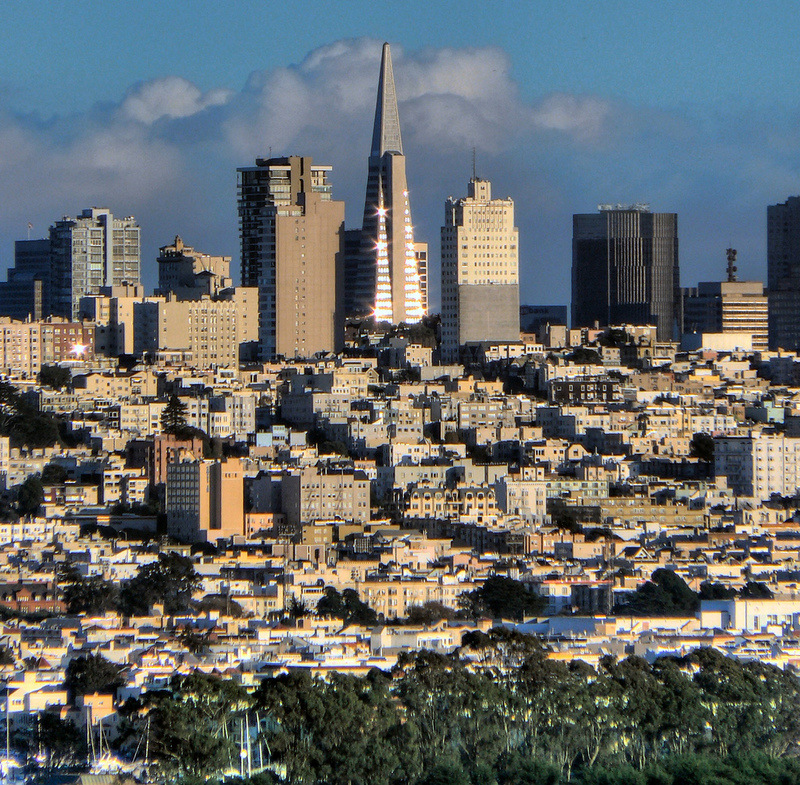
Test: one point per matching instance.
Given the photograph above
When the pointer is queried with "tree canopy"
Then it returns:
(170, 580)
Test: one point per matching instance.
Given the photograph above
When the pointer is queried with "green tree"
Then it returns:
(54, 474)
(755, 590)
(429, 613)
(91, 673)
(171, 580)
(341, 731)
(62, 743)
(90, 595)
(702, 447)
(192, 725)
(503, 597)
(666, 594)
(173, 417)
(55, 377)
(346, 606)
(30, 496)
(716, 591)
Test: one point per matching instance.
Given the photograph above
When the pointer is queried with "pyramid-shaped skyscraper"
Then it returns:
(383, 276)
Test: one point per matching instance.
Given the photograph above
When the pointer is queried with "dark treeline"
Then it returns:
(498, 712)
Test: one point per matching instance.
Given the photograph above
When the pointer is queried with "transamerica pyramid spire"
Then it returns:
(385, 268)
(386, 131)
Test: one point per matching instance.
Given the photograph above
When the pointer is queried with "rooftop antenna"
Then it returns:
(731, 254)
(474, 164)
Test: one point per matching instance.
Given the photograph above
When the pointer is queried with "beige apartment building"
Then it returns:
(188, 273)
(480, 270)
(208, 332)
(26, 346)
(205, 500)
(315, 494)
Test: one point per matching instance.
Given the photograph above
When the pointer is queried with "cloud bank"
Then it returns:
(167, 151)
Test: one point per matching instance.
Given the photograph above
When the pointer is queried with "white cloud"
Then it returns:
(171, 97)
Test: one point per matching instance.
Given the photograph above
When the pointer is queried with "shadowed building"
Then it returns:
(783, 274)
(625, 269)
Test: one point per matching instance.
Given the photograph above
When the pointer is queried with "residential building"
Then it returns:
(189, 274)
(26, 346)
(314, 494)
(292, 241)
(758, 464)
(207, 332)
(480, 270)
(625, 268)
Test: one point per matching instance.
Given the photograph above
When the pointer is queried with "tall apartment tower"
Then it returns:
(383, 279)
(783, 274)
(89, 252)
(292, 242)
(625, 268)
(480, 270)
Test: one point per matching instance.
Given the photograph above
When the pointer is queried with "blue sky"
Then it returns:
(148, 107)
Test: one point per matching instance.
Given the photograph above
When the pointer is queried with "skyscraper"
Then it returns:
(625, 268)
(383, 279)
(80, 256)
(88, 252)
(783, 274)
(292, 236)
(480, 270)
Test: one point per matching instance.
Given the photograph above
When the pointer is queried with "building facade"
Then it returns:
(625, 269)
(759, 464)
(783, 274)
(480, 270)
(188, 273)
(208, 332)
(383, 278)
(727, 307)
(292, 242)
(205, 500)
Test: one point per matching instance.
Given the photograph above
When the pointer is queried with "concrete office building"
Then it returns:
(480, 270)
(89, 252)
(383, 278)
(783, 274)
(292, 240)
(727, 307)
(625, 269)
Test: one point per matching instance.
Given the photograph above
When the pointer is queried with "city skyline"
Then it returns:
(558, 130)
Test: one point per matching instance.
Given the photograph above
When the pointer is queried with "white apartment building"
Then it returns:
(759, 464)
